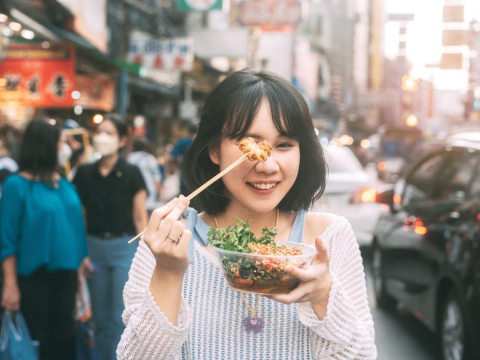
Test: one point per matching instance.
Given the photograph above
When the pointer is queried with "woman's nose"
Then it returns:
(269, 166)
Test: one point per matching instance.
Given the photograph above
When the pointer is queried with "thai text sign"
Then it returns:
(37, 77)
(165, 54)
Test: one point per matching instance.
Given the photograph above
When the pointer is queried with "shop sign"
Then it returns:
(268, 13)
(163, 54)
(96, 93)
(231, 43)
(199, 5)
(37, 77)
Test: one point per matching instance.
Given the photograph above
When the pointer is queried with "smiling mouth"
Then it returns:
(262, 186)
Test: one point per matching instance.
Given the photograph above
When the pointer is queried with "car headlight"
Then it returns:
(364, 196)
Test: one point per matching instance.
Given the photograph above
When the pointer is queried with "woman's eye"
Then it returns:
(285, 145)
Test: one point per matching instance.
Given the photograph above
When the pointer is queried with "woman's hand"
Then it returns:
(315, 285)
(167, 238)
(86, 269)
(11, 297)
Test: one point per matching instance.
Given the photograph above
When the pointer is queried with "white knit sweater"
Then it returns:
(211, 315)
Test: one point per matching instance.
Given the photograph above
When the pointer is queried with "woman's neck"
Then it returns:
(107, 163)
(54, 176)
(258, 220)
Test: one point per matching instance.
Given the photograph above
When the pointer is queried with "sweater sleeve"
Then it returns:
(148, 333)
(347, 331)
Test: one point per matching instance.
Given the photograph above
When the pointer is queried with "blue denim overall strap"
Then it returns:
(191, 215)
(298, 227)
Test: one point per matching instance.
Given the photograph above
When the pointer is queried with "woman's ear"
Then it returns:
(123, 142)
(214, 155)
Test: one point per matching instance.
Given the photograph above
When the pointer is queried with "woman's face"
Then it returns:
(107, 127)
(260, 185)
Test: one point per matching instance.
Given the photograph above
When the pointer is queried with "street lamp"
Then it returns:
(409, 84)
(412, 120)
(97, 119)
(15, 26)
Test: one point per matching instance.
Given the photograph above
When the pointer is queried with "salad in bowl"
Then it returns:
(257, 265)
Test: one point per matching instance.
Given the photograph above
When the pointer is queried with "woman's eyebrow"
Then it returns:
(260, 138)
(255, 136)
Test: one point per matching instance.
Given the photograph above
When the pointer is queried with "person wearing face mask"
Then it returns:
(64, 155)
(43, 240)
(113, 194)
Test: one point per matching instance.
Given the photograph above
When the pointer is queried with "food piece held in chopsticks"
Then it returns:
(256, 151)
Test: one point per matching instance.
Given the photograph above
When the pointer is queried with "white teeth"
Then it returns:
(264, 186)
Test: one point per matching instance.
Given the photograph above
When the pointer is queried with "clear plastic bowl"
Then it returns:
(263, 274)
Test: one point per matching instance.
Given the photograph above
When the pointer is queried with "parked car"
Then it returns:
(350, 192)
(426, 245)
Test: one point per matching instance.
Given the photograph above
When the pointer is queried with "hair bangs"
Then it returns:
(285, 108)
(243, 109)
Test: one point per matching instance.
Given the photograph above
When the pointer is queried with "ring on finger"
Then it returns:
(174, 240)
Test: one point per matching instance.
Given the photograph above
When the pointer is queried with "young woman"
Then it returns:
(177, 303)
(113, 194)
(43, 240)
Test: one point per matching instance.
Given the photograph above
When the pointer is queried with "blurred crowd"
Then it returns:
(71, 199)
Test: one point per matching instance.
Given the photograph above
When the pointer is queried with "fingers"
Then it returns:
(89, 266)
(304, 275)
(291, 297)
(157, 216)
(184, 241)
(322, 255)
(11, 305)
(176, 232)
(172, 217)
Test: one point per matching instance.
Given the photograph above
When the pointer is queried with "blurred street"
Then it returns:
(399, 335)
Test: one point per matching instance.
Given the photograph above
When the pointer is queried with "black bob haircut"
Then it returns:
(39, 148)
(229, 112)
(118, 121)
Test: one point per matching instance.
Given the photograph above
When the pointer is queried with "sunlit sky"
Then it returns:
(424, 35)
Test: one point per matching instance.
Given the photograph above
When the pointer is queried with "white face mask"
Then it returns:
(105, 144)
(64, 155)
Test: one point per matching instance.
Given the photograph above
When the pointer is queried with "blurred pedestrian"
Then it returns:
(113, 194)
(43, 240)
(147, 163)
(180, 150)
(171, 182)
(7, 164)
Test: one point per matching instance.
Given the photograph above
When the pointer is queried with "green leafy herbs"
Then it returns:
(237, 237)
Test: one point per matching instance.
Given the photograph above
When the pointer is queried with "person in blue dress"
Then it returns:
(43, 240)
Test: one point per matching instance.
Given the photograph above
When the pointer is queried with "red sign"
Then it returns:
(269, 13)
(97, 93)
(37, 77)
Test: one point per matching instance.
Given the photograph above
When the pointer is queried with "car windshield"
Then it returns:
(341, 160)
